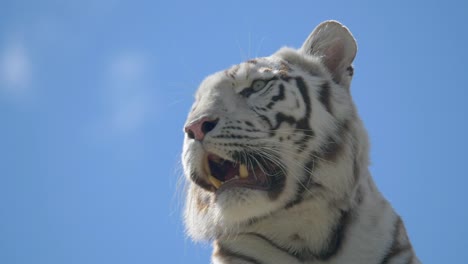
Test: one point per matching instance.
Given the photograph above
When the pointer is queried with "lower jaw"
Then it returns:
(236, 185)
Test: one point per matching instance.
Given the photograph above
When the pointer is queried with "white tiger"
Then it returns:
(276, 159)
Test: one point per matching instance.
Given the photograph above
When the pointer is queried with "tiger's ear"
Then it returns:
(334, 44)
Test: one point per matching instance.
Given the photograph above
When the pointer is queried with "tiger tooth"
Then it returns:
(243, 172)
(206, 166)
(217, 183)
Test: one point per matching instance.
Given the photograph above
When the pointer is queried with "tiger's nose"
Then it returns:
(199, 128)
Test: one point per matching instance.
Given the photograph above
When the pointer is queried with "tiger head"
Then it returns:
(258, 131)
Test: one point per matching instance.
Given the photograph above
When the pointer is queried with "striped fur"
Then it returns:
(292, 109)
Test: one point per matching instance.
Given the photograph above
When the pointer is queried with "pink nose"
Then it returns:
(199, 128)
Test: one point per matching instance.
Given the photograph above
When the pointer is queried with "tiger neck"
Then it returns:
(314, 223)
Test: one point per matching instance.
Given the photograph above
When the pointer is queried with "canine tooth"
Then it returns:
(243, 172)
(217, 183)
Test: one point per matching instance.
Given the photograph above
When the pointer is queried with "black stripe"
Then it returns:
(329, 151)
(276, 98)
(305, 254)
(265, 118)
(277, 183)
(280, 95)
(324, 96)
(247, 92)
(305, 95)
(335, 143)
(396, 247)
(223, 252)
(270, 105)
(281, 118)
(231, 127)
(277, 179)
(234, 136)
(307, 183)
(303, 124)
(269, 241)
(256, 220)
(337, 237)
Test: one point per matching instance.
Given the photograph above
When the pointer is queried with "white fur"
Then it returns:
(324, 58)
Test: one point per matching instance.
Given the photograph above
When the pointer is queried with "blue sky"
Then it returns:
(93, 96)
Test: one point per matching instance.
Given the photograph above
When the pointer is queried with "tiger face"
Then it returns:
(258, 130)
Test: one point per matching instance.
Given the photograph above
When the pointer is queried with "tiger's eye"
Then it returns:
(258, 85)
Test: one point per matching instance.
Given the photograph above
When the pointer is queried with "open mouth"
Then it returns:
(224, 174)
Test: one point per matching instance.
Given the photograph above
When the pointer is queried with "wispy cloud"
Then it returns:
(15, 69)
(128, 67)
(128, 91)
(128, 98)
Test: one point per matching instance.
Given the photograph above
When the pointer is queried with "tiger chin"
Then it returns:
(276, 161)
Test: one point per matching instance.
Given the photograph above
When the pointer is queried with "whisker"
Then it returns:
(273, 159)
(286, 148)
